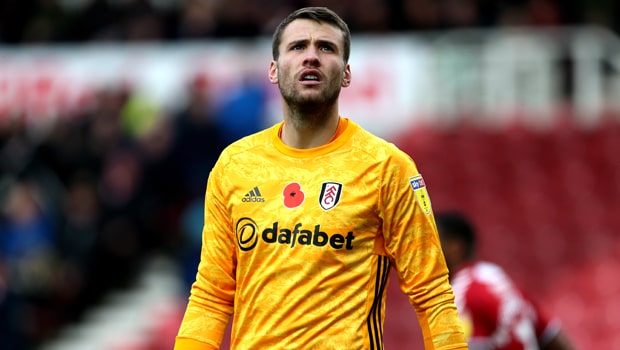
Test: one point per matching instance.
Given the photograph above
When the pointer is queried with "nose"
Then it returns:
(312, 56)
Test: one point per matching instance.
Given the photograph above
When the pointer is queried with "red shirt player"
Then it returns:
(496, 313)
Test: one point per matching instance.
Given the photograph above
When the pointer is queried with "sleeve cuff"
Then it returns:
(182, 343)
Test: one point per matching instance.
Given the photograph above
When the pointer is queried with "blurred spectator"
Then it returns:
(199, 138)
(120, 190)
(103, 125)
(496, 313)
(76, 243)
(240, 113)
(162, 188)
(28, 258)
(197, 143)
(147, 20)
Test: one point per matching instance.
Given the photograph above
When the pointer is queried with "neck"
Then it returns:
(309, 126)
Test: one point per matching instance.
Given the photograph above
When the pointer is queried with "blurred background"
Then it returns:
(112, 113)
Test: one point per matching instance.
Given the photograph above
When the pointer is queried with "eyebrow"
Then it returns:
(319, 42)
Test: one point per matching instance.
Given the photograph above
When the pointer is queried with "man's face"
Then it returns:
(310, 69)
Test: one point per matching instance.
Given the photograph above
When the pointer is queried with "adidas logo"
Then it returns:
(253, 196)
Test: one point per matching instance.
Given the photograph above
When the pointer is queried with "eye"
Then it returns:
(297, 47)
(327, 48)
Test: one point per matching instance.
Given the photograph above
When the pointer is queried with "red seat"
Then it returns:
(547, 206)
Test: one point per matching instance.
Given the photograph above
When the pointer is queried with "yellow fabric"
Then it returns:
(300, 275)
(190, 344)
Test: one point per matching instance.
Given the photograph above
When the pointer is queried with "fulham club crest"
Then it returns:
(330, 195)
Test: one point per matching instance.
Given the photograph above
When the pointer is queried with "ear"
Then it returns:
(273, 72)
(346, 76)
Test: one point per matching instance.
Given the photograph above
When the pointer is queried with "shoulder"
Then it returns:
(475, 287)
(488, 269)
(480, 275)
(377, 147)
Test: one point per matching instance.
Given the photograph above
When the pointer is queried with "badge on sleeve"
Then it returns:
(419, 188)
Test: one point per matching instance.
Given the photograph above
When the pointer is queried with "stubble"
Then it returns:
(309, 109)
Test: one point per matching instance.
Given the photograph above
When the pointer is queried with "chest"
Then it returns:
(314, 203)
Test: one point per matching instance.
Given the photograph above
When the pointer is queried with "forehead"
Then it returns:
(308, 29)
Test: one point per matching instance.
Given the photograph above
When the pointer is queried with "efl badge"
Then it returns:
(330, 195)
(419, 188)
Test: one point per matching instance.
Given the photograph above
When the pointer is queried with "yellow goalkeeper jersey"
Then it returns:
(298, 245)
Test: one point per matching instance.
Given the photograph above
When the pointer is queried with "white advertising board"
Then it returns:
(43, 83)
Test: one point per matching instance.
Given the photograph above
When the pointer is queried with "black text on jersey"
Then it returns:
(248, 234)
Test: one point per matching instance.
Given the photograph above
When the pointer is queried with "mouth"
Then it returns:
(310, 76)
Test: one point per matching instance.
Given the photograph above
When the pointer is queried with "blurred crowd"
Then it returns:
(27, 21)
(84, 200)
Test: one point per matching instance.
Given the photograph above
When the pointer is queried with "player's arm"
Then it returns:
(211, 299)
(548, 329)
(412, 242)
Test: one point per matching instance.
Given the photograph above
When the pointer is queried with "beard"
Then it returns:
(311, 104)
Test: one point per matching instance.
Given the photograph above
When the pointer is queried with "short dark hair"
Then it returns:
(453, 224)
(319, 14)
